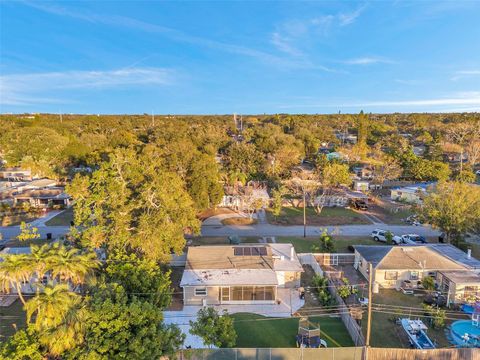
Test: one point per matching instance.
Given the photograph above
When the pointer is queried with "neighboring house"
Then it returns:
(455, 272)
(240, 197)
(240, 274)
(347, 138)
(43, 198)
(340, 197)
(10, 188)
(361, 185)
(15, 174)
(413, 194)
(455, 157)
(364, 172)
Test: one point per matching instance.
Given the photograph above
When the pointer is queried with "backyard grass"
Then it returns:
(386, 333)
(11, 317)
(256, 331)
(62, 219)
(239, 221)
(328, 216)
(302, 244)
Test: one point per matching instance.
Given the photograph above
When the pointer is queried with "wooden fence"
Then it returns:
(342, 353)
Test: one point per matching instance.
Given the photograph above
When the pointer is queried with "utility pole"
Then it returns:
(153, 120)
(61, 118)
(304, 214)
(369, 320)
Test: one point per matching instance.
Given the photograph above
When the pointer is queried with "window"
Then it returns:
(413, 275)
(200, 291)
(391, 275)
(249, 293)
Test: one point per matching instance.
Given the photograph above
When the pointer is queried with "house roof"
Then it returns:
(228, 277)
(229, 264)
(413, 257)
(462, 277)
(47, 193)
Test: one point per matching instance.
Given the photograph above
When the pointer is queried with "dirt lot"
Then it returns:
(306, 281)
(212, 212)
(389, 213)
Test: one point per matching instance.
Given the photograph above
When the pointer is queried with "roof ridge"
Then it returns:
(383, 258)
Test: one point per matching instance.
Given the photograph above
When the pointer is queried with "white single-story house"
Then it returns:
(239, 274)
(241, 197)
(455, 272)
(413, 194)
(361, 185)
(43, 198)
(15, 174)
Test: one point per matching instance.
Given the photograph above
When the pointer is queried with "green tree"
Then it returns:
(437, 315)
(326, 243)
(215, 329)
(277, 201)
(141, 278)
(428, 283)
(203, 182)
(320, 285)
(345, 290)
(121, 328)
(131, 201)
(334, 175)
(23, 345)
(28, 232)
(453, 207)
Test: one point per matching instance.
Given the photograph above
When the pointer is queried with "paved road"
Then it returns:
(11, 232)
(346, 230)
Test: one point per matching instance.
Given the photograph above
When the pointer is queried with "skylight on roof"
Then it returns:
(250, 251)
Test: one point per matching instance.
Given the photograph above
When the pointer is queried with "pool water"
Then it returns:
(462, 327)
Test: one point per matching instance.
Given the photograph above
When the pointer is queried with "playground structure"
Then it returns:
(309, 334)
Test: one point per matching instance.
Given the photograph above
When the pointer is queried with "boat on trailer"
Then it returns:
(417, 336)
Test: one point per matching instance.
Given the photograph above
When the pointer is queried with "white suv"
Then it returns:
(381, 235)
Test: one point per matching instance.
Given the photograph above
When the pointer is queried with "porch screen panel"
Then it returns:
(237, 293)
(269, 292)
(248, 293)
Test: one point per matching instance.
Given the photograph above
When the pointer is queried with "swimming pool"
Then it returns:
(462, 327)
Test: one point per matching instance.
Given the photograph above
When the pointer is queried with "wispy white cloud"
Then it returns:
(349, 18)
(290, 34)
(24, 89)
(465, 74)
(368, 60)
(173, 34)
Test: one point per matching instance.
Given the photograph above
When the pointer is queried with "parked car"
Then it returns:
(413, 220)
(380, 235)
(412, 239)
(359, 205)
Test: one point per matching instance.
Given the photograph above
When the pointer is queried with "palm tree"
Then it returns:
(50, 306)
(14, 270)
(59, 319)
(71, 265)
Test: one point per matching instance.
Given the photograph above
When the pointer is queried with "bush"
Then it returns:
(428, 283)
(320, 284)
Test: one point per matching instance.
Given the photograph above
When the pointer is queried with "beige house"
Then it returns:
(399, 267)
(239, 274)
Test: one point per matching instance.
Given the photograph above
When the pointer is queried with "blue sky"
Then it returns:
(244, 57)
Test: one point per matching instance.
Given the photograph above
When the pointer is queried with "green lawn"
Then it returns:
(302, 244)
(385, 333)
(62, 219)
(11, 317)
(256, 331)
(328, 216)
